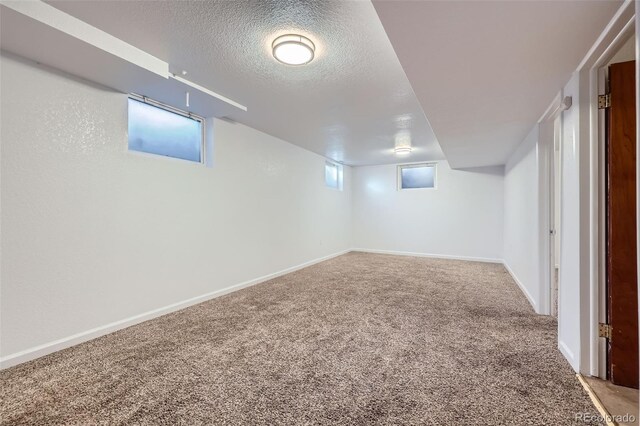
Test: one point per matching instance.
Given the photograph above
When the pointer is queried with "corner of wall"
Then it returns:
(569, 355)
(521, 223)
(523, 288)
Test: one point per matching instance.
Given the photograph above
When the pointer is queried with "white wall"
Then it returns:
(526, 215)
(522, 218)
(93, 234)
(461, 218)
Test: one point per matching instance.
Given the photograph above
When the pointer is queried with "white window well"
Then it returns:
(333, 175)
(159, 129)
(416, 176)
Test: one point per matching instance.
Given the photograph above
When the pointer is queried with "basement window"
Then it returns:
(156, 128)
(333, 175)
(416, 176)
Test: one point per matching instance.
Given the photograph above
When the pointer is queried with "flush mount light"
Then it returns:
(402, 150)
(403, 143)
(293, 49)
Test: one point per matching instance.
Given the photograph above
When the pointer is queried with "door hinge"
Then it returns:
(604, 101)
(604, 330)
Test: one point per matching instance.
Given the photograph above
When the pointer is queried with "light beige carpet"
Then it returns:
(359, 339)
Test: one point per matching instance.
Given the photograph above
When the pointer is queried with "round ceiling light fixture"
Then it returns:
(402, 150)
(293, 49)
(403, 143)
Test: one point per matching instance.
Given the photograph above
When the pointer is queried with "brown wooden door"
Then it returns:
(622, 275)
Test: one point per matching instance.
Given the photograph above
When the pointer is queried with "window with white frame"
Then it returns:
(333, 175)
(416, 176)
(159, 129)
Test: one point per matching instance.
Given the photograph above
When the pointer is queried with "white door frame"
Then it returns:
(601, 219)
(621, 27)
(590, 359)
(548, 227)
(556, 207)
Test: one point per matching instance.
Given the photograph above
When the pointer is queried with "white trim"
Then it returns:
(465, 258)
(593, 360)
(208, 92)
(522, 287)
(545, 163)
(611, 37)
(623, 14)
(553, 106)
(435, 256)
(66, 342)
(598, 364)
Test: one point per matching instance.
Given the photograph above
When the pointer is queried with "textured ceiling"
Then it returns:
(348, 104)
(485, 71)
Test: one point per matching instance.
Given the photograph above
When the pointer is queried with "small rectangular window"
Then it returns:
(158, 129)
(416, 176)
(333, 175)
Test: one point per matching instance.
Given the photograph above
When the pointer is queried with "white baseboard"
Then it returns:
(435, 256)
(522, 287)
(467, 258)
(66, 342)
(568, 354)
